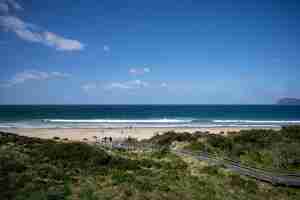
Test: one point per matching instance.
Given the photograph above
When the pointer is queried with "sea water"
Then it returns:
(105, 116)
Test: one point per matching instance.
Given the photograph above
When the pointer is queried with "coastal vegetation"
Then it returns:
(32, 168)
(276, 150)
(262, 148)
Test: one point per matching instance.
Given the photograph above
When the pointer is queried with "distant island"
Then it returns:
(289, 101)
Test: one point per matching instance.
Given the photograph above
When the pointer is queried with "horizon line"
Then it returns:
(135, 104)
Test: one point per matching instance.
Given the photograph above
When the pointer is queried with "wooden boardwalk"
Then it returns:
(291, 179)
(286, 178)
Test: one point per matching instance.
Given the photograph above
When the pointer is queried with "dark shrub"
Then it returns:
(120, 176)
(211, 170)
(248, 185)
(123, 164)
(167, 138)
(12, 164)
(286, 156)
(161, 152)
(220, 142)
(291, 132)
(73, 154)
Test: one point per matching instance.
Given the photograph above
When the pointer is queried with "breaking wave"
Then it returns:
(259, 121)
(120, 121)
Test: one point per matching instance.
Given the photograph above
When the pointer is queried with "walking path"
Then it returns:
(275, 178)
(291, 179)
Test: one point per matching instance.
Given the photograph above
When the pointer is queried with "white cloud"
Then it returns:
(60, 43)
(146, 69)
(135, 84)
(60, 75)
(6, 5)
(139, 71)
(132, 71)
(138, 83)
(28, 75)
(31, 33)
(119, 85)
(106, 48)
(89, 86)
(163, 84)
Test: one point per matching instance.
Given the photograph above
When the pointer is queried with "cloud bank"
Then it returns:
(135, 84)
(30, 75)
(164, 85)
(32, 33)
(106, 48)
(139, 71)
(89, 86)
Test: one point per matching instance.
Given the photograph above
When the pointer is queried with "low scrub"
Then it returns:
(32, 168)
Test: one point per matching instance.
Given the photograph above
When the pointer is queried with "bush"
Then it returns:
(211, 170)
(31, 168)
(287, 156)
(261, 148)
(12, 165)
(291, 132)
(168, 138)
(72, 155)
(220, 142)
(123, 164)
(248, 185)
(161, 152)
(120, 176)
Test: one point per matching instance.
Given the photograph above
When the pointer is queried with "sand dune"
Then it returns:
(78, 134)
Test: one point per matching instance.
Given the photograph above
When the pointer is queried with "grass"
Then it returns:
(33, 168)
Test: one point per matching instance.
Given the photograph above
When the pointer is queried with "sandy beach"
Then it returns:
(81, 134)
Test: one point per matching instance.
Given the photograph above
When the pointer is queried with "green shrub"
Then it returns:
(46, 170)
(12, 165)
(239, 182)
(72, 155)
(167, 138)
(197, 146)
(32, 168)
(124, 164)
(87, 192)
(211, 170)
(160, 152)
(286, 156)
(291, 132)
(120, 176)
(220, 142)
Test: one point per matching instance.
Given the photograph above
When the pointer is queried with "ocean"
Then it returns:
(108, 116)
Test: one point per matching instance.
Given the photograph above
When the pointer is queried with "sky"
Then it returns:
(149, 52)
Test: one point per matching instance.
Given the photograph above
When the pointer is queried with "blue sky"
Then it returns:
(148, 52)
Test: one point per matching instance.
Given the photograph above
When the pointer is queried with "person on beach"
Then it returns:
(110, 141)
(104, 140)
(96, 139)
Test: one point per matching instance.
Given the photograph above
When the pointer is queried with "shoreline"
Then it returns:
(89, 134)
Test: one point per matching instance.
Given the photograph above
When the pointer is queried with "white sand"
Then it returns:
(78, 134)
